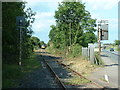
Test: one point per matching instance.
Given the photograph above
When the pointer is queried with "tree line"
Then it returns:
(11, 33)
(74, 25)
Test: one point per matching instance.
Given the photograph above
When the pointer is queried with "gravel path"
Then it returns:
(41, 78)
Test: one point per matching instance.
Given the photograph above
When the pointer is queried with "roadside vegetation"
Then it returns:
(74, 29)
(115, 45)
(116, 48)
(76, 80)
(98, 59)
(11, 71)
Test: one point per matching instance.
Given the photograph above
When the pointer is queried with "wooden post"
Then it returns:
(99, 38)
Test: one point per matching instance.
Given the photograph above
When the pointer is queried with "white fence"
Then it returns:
(88, 53)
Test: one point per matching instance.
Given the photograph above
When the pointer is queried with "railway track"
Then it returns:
(74, 72)
(56, 76)
(99, 86)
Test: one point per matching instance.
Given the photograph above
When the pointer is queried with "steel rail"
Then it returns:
(61, 83)
(100, 86)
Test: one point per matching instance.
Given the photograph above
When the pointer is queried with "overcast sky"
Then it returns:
(99, 9)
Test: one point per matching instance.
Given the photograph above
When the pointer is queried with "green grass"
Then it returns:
(12, 73)
(113, 46)
(73, 52)
(98, 59)
(31, 63)
(76, 80)
(55, 51)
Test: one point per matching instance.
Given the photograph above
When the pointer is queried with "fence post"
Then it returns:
(92, 54)
(85, 51)
(89, 53)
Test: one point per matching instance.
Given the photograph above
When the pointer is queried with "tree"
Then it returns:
(35, 42)
(10, 33)
(117, 42)
(74, 25)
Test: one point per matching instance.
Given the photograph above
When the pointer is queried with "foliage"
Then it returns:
(35, 42)
(98, 59)
(11, 33)
(117, 42)
(75, 50)
(74, 25)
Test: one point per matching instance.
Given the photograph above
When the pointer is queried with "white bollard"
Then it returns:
(106, 78)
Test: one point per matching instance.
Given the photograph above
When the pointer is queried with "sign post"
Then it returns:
(102, 32)
(20, 22)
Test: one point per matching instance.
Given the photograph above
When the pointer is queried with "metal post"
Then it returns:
(20, 22)
(20, 48)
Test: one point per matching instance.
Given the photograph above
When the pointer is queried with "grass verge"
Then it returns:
(75, 61)
(76, 80)
(116, 48)
(98, 60)
(11, 72)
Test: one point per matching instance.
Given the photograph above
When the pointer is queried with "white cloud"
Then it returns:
(42, 15)
(35, 2)
(101, 4)
(42, 25)
(42, 21)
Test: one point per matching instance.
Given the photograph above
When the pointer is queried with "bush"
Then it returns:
(76, 50)
(98, 59)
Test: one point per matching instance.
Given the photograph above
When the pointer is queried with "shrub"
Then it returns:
(98, 59)
(76, 50)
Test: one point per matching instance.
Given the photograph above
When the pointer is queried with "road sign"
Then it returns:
(20, 21)
(104, 27)
(104, 35)
(103, 32)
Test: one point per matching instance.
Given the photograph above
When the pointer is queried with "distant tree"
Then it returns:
(117, 42)
(35, 42)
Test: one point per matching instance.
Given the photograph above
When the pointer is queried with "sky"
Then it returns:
(99, 9)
